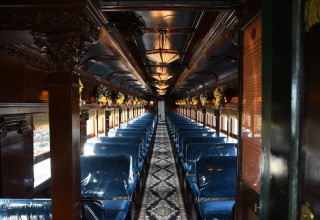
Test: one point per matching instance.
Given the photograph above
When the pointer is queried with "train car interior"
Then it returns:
(160, 110)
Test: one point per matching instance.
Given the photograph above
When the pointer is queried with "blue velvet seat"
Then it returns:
(114, 149)
(116, 209)
(215, 186)
(186, 140)
(25, 208)
(194, 151)
(193, 133)
(106, 176)
(219, 209)
(107, 180)
(125, 140)
(42, 209)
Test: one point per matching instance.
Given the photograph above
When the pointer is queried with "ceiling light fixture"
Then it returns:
(161, 90)
(161, 54)
(161, 76)
(161, 85)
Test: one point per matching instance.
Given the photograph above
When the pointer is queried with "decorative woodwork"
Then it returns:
(16, 178)
(21, 126)
(63, 50)
(25, 54)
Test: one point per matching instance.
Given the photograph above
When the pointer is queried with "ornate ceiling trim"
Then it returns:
(25, 54)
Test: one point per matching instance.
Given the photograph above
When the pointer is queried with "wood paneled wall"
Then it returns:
(252, 103)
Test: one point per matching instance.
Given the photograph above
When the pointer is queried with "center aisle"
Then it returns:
(162, 197)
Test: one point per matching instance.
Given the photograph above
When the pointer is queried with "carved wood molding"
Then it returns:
(25, 54)
(40, 20)
(64, 50)
(8, 125)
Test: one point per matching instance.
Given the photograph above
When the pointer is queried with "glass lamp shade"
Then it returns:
(161, 76)
(162, 55)
(161, 90)
(161, 86)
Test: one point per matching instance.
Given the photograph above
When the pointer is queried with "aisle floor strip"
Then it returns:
(162, 197)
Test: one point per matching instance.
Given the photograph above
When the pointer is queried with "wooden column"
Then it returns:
(128, 114)
(64, 145)
(62, 51)
(204, 111)
(217, 114)
(120, 117)
(107, 114)
(196, 115)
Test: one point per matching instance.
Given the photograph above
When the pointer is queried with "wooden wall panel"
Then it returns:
(252, 103)
(20, 84)
(35, 85)
(16, 156)
(11, 83)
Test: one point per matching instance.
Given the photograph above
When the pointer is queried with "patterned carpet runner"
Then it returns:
(162, 197)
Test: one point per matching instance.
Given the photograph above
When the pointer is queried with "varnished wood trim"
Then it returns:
(23, 108)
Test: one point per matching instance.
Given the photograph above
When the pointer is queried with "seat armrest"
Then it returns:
(195, 189)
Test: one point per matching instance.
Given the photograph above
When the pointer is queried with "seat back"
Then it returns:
(42, 209)
(124, 140)
(130, 149)
(187, 140)
(195, 151)
(104, 177)
(194, 133)
(216, 176)
(25, 208)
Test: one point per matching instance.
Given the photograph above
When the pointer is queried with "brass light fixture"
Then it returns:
(161, 54)
(161, 74)
(161, 85)
(161, 90)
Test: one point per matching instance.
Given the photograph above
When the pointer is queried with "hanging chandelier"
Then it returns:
(161, 91)
(161, 75)
(161, 85)
(161, 54)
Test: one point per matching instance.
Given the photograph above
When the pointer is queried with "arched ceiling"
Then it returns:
(204, 33)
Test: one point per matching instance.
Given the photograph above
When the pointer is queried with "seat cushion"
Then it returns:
(114, 207)
(220, 209)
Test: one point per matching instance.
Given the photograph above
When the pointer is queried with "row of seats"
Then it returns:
(206, 165)
(134, 140)
(112, 173)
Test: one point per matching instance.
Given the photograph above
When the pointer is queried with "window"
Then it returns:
(224, 125)
(41, 148)
(91, 124)
(41, 137)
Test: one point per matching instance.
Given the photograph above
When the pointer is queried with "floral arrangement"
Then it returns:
(130, 100)
(194, 100)
(203, 98)
(135, 100)
(144, 102)
(102, 95)
(219, 96)
(119, 98)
